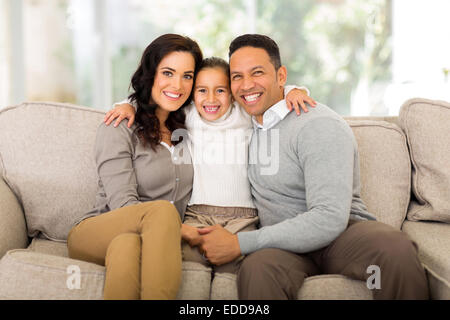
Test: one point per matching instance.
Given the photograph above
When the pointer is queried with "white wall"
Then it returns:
(421, 49)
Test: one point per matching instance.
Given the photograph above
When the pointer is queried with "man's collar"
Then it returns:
(272, 116)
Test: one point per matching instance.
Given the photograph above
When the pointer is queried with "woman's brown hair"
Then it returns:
(148, 128)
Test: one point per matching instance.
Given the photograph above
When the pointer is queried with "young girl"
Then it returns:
(219, 132)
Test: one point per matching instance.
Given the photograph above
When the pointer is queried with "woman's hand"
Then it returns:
(296, 99)
(122, 111)
(190, 234)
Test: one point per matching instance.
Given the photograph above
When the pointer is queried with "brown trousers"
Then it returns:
(233, 219)
(279, 274)
(140, 247)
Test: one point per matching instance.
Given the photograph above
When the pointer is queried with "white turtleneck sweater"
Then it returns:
(219, 151)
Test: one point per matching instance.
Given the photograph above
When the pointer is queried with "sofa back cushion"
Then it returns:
(46, 155)
(427, 127)
(385, 169)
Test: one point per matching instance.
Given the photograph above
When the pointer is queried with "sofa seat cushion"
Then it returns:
(28, 275)
(322, 287)
(385, 169)
(195, 282)
(433, 240)
(427, 127)
(334, 287)
(49, 247)
(224, 287)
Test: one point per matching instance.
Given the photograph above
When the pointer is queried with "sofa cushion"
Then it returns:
(427, 127)
(195, 280)
(224, 287)
(322, 287)
(46, 154)
(433, 240)
(27, 275)
(49, 247)
(334, 287)
(385, 169)
(13, 230)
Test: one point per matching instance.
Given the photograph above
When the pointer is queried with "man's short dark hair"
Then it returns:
(257, 41)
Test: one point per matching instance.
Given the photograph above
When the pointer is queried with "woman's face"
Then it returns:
(173, 80)
(212, 95)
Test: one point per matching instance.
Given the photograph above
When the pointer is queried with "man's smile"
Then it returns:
(251, 98)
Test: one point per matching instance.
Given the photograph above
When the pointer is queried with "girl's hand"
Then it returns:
(122, 111)
(190, 234)
(296, 99)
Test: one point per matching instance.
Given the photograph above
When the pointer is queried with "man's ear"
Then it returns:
(282, 76)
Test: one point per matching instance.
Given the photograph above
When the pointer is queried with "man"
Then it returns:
(312, 218)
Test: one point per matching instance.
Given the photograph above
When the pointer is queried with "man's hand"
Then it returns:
(296, 99)
(122, 111)
(219, 245)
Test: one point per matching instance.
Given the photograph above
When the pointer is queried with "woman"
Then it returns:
(134, 229)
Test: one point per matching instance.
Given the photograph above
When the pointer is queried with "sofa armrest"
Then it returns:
(13, 230)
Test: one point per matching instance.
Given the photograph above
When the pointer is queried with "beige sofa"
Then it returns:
(47, 179)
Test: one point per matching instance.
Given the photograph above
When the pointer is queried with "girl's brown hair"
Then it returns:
(216, 62)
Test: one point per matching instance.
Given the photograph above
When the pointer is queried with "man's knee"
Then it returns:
(396, 246)
(260, 262)
(272, 274)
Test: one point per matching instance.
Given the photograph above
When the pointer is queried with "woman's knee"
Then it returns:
(163, 213)
(124, 244)
(79, 246)
(73, 243)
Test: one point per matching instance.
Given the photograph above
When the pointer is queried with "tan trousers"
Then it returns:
(233, 219)
(140, 247)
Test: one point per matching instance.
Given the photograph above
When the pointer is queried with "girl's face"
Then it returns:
(212, 95)
(173, 81)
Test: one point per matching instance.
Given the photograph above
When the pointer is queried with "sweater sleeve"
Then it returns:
(113, 157)
(288, 89)
(326, 154)
(132, 103)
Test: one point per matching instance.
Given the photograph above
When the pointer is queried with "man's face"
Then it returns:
(255, 83)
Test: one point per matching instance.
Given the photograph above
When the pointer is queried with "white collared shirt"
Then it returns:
(277, 112)
(272, 116)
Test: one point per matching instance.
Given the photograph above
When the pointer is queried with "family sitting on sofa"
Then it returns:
(251, 188)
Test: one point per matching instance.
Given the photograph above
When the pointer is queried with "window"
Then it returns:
(358, 57)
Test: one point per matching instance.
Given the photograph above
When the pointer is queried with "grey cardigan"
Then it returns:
(130, 174)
